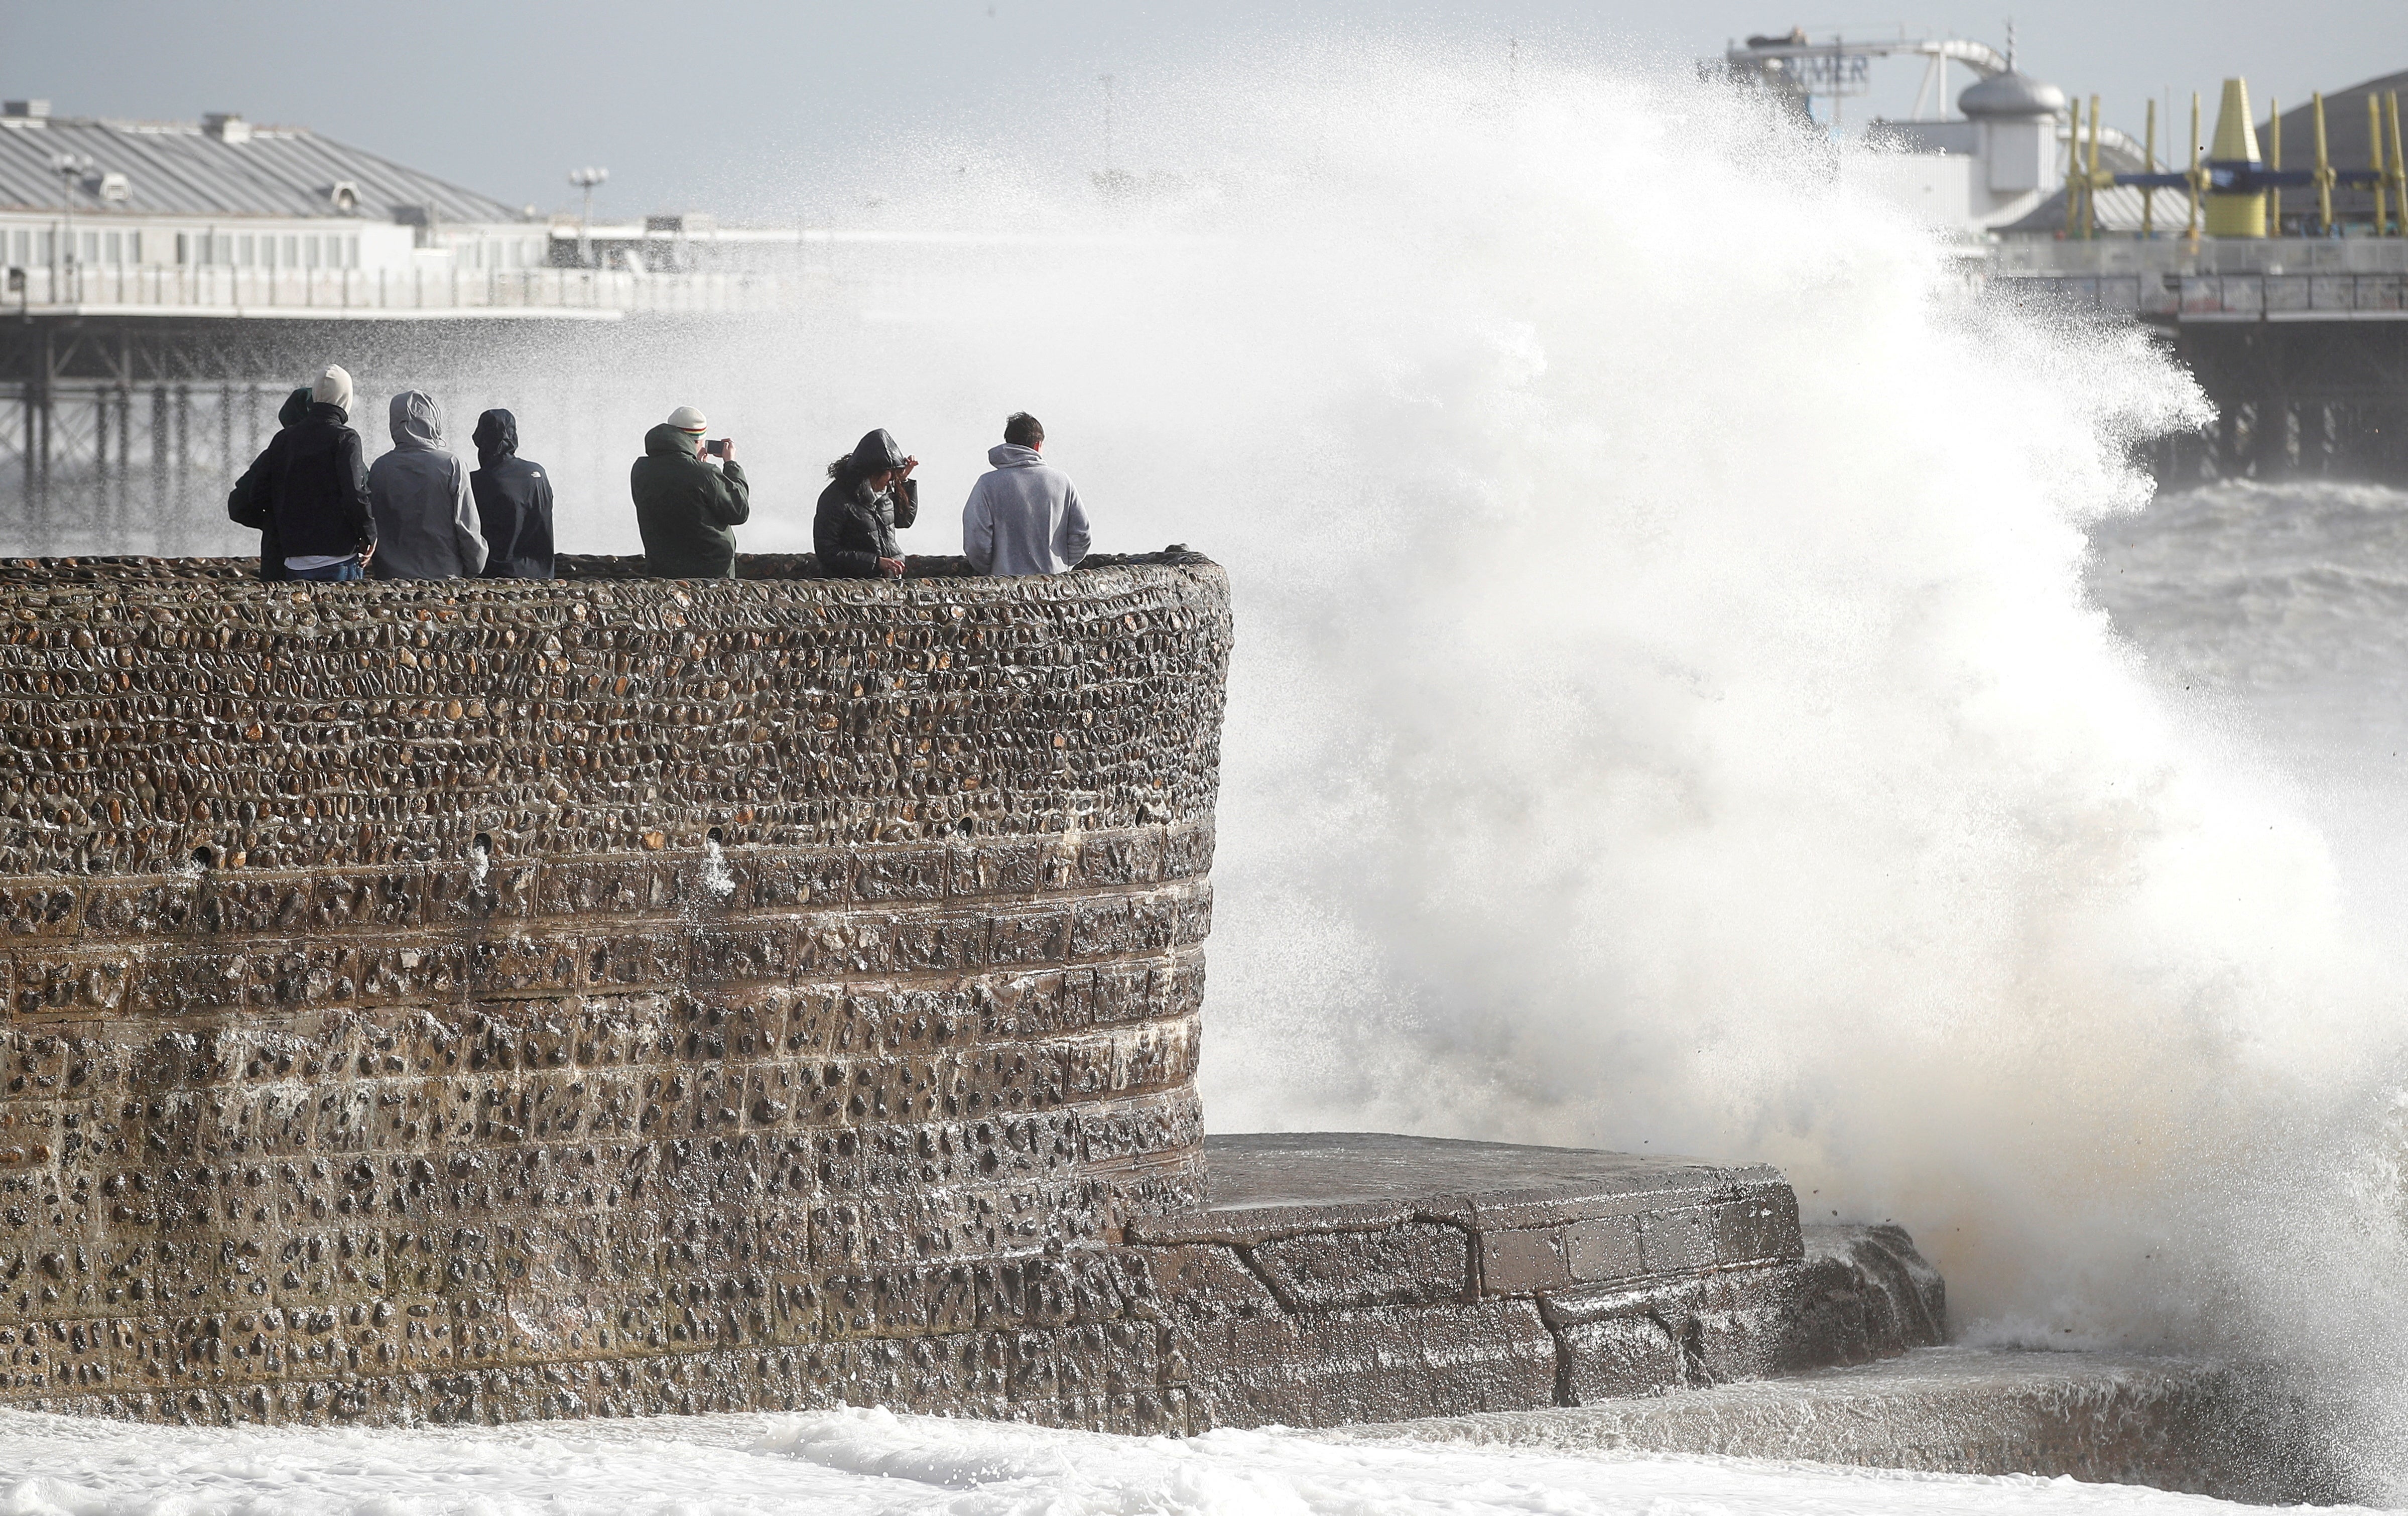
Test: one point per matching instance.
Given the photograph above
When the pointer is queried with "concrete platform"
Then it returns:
(1358, 1277)
(2171, 1422)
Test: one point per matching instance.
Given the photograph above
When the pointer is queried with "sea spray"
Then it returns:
(1669, 711)
(1669, 714)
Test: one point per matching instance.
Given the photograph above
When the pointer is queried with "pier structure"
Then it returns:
(122, 425)
(2283, 289)
(163, 284)
(2268, 254)
(2302, 343)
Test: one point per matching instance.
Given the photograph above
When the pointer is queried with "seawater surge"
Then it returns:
(1669, 711)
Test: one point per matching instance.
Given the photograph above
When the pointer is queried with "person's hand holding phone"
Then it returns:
(891, 567)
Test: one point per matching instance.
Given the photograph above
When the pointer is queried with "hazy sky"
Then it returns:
(774, 107)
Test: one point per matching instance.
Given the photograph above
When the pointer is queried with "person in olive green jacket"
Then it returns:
(686, 504)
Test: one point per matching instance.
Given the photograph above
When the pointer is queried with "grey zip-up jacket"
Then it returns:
(1023, 518)
(426, 516)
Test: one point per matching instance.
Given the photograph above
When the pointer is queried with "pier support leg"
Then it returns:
(120, 504)
(158, 461)
(171, 525)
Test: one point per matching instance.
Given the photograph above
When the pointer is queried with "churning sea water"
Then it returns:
(1705, 685)
(868, 1462)
(2280, 611)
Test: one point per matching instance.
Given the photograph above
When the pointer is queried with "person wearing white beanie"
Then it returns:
(319, 495)
(686, 508)
(333, 387)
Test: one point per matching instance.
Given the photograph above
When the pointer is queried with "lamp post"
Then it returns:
(586, 178)
(70, 167)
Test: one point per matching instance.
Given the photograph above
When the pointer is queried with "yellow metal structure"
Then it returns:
(2323, 170)
(2399, 165)
(2090, 180)
(2236, 142)
(2274, 161)
(2375, 157)
(2195, 170)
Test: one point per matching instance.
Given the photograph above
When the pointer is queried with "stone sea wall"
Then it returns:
(490, 1000)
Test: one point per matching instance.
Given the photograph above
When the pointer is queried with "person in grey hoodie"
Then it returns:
(425, 513)
(1023, 517)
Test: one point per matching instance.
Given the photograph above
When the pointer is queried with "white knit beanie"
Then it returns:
(333, 388)
(687, 419)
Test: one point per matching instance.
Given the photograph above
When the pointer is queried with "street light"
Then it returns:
(586, 178)
(71, 168)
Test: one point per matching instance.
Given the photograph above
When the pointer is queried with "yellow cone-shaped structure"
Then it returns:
(2235, 147)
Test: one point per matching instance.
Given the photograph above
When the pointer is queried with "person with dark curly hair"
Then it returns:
(870, 494)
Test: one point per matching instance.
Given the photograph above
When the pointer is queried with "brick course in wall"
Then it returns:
(498, 999)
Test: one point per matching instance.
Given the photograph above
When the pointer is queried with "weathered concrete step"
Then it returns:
(1347, 1276)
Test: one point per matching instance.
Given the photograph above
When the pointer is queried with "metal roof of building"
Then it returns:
(2346, 143)
(196, 169)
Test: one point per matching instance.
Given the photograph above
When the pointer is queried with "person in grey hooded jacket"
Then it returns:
(425, 513)
(1023, 518)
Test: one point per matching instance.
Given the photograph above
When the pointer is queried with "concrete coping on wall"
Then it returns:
(573, 569)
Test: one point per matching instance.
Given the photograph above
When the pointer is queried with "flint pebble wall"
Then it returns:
(493, 999)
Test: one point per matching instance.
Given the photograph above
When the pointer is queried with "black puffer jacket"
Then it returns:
(245, 503)
(319, 497)
(855, 525)
(513, 502)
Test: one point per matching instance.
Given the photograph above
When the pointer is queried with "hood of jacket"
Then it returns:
(497, 437)
(1012, 455)
(667, 441)
(875, 453)
(417, 420)
(295, 407)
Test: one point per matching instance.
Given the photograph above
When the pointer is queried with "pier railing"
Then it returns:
(2177, 279)
(371, 294)
(2190, 297)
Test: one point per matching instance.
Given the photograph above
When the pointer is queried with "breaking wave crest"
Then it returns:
(1670, 711)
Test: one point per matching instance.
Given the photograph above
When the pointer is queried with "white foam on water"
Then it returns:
(875, 1464)
(1669, 712)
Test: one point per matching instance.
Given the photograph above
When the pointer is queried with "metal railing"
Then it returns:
(2182, 297)
(206, 291)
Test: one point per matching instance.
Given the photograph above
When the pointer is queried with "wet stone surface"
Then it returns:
(494, 999)
(1361, 1277)
(483, 1001)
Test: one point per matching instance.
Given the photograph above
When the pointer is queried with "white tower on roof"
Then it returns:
(2015, 120)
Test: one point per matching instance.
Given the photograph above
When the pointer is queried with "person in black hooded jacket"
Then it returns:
(870, 494)
(319, 497)
(245, 504)
(513, 502)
